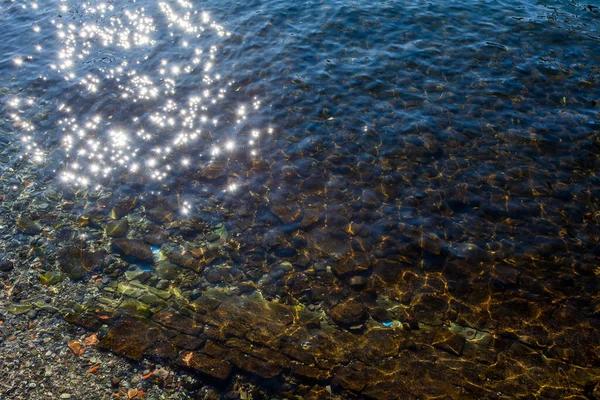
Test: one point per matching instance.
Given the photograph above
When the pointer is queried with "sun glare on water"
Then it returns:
(143, 95)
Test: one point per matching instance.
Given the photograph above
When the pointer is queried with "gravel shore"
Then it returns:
(38, 363)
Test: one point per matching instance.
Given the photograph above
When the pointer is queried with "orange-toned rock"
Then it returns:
(76, 347)
(132, 393)
(90, 340)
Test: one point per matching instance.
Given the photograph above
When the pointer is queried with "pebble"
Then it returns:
(6, 265)
(117, 228)
(358, 282)
(27, 225)
(162, 284)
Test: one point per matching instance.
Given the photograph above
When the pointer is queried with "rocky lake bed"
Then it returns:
(392, 200)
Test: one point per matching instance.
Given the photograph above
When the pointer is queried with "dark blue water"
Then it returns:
(439, 158)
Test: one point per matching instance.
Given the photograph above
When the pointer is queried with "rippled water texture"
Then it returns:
(364, 198)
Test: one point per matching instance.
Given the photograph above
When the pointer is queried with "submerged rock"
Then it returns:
(449, 342)
(133, 248)
(117, 228)
(131, 337)
(213, 171)
(18, 309)
(77, 262)
(51, 278)
(27, 225)
(209, 366)
(166, 270)
(358, 282)
(181, 323)
(6, 266)
(123, 208)
(350, 312)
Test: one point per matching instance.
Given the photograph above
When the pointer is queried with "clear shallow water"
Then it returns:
(435, 163)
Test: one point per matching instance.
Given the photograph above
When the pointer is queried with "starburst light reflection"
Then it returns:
(145, 93)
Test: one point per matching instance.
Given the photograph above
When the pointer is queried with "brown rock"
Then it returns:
(286, 212)
(214, 349)
(160, 214)
(213, 171)
(292, 347)
(310, 217)
(130, 337)
(92, 259)
(310, 373)
(380, 314)
(187, 342)
(86, 319)
(253, 365)
(205, 304)
(194, 259)
(156, 238)
(212, 367)
(162, 350)
(350, 312)
(388, 271)
(134, 248)
(449, 342)
(358, 282)
(181, 323)
(298, 283)
(386, 390)
(185, 259)
(429, 308)
(349, 378)
(261, 352)
(380, 344)
(123, 208)
(69, 259)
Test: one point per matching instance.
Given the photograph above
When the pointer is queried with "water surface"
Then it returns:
(358, 197)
